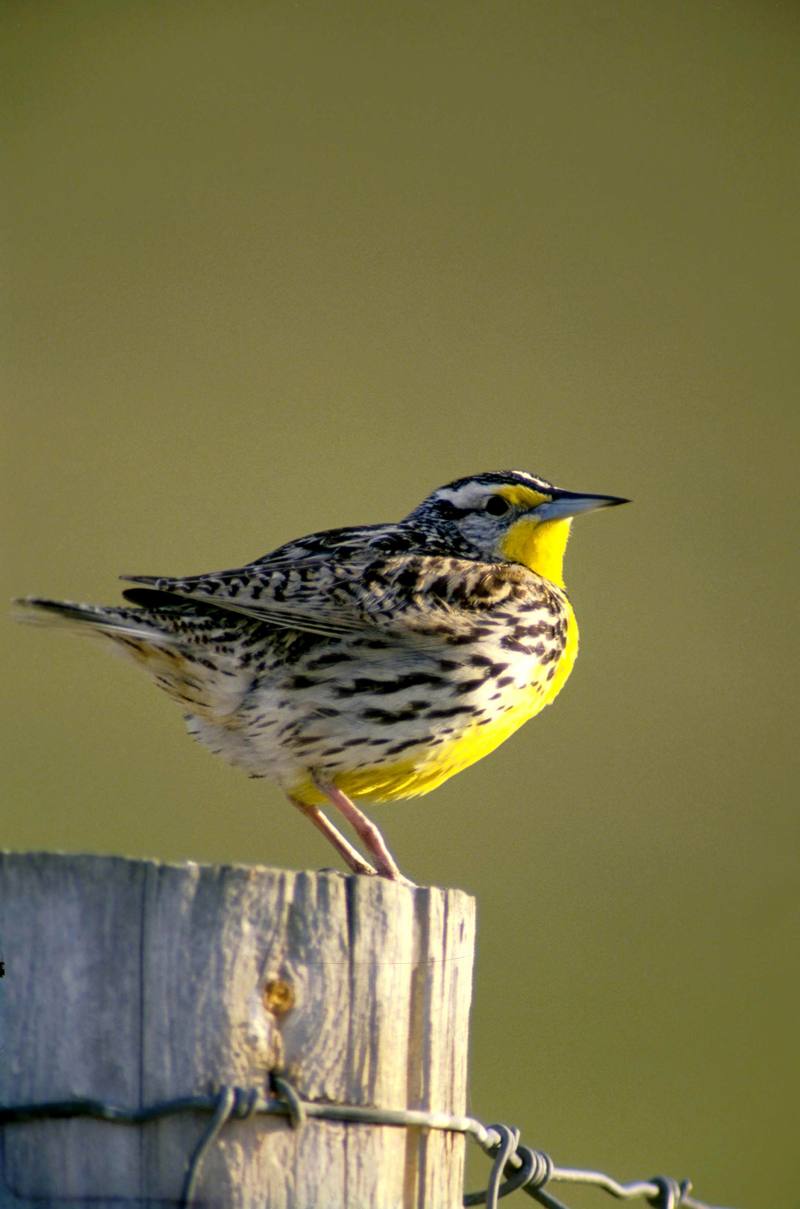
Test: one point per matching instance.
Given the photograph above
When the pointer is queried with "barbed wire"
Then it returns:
(514, 1167)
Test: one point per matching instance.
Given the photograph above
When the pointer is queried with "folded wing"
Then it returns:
(408, 596)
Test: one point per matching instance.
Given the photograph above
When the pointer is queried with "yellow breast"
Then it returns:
(422, 772)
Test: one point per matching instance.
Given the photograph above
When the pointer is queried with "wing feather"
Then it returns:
(409, 596)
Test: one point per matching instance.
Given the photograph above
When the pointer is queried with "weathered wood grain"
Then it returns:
(135, 981)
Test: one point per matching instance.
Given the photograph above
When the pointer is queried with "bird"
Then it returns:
(372, 661)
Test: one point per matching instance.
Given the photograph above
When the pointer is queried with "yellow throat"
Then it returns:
(539, 546)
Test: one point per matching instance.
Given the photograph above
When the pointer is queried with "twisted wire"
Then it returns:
(514, 1167)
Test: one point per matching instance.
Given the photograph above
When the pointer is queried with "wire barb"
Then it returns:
(514, 1167)
(288, 1094)
(671, 1194)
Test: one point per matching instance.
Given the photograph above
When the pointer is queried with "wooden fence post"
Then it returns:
(133, 982)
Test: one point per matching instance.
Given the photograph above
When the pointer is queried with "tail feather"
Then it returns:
(169, 643)
(86, 618)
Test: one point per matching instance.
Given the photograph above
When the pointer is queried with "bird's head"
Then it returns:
(509, 516)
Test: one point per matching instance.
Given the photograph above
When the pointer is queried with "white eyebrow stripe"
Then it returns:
(466, 496)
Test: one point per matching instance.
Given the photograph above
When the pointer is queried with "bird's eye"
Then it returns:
(496, 505)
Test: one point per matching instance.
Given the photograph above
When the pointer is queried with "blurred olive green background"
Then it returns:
(276, 267)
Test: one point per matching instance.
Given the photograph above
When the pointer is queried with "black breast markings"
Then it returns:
(383, 688)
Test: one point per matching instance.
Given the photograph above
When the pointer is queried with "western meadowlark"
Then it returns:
(374, 661)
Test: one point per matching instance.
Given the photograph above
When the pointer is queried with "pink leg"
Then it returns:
(373, 841)
(346, 851)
